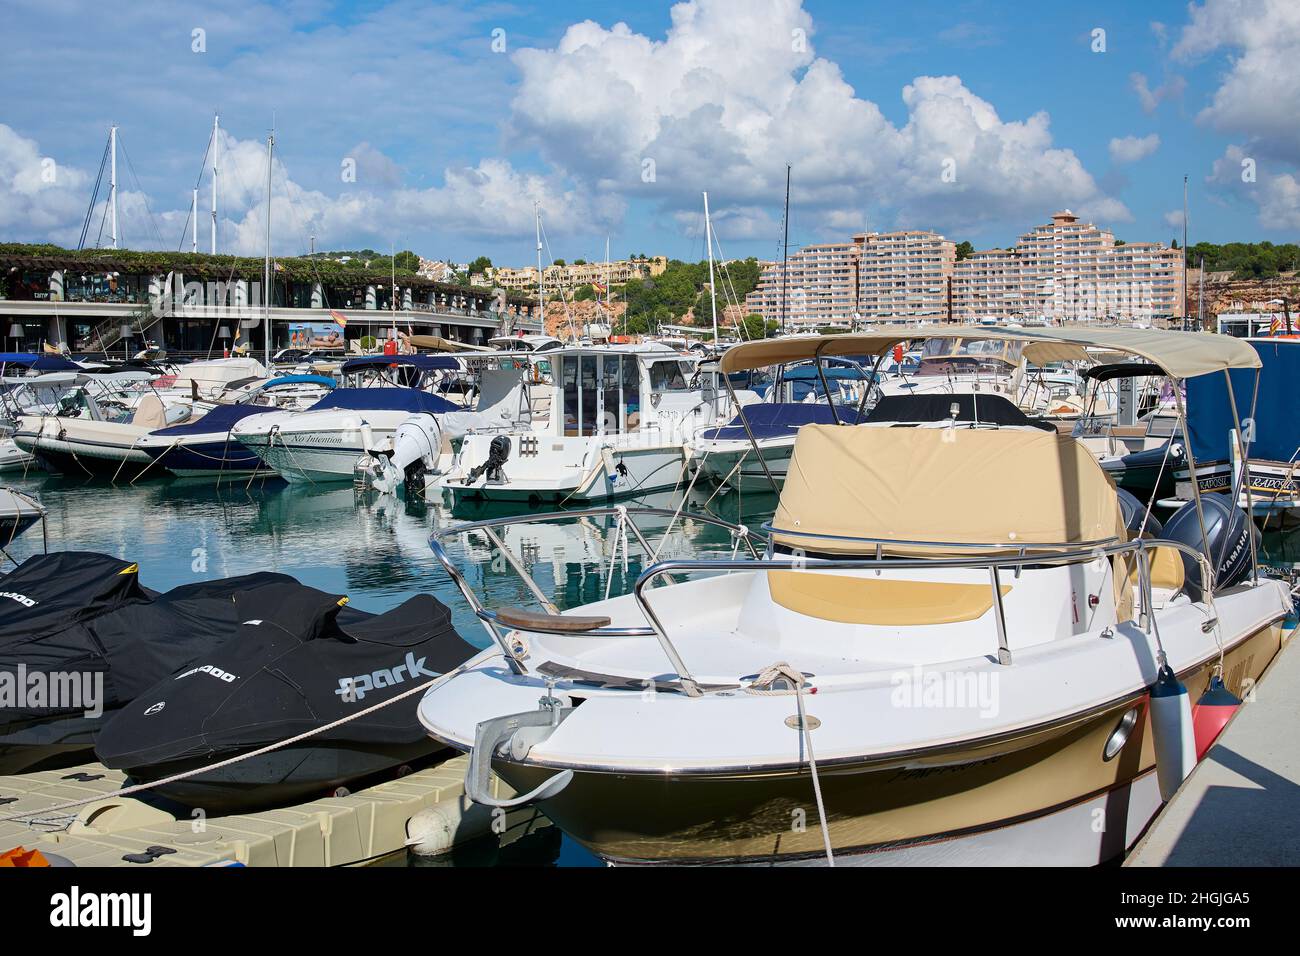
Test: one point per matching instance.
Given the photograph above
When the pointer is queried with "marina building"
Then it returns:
(112, 300)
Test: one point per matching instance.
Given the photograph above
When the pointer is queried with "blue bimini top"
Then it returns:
(220, 420)
(778, 420)
(388, 398)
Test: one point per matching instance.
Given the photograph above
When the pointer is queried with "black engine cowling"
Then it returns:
(1134, 511)
(1228, 531)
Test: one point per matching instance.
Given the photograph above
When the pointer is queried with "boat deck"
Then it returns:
(334, 831)
(1238, 807)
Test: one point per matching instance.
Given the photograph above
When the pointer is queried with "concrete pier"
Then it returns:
(1239, 806)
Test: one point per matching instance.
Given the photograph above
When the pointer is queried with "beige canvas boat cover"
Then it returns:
(1002, 488)
(436, 343)
(1180, 354)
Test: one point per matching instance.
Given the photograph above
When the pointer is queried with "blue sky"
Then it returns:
(976, 119)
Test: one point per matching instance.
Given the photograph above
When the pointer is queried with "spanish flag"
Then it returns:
(340, 318)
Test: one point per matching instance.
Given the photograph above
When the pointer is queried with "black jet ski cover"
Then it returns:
(299, 663)
(80, 637)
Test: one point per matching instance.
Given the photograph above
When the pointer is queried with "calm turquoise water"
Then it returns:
(375, 550)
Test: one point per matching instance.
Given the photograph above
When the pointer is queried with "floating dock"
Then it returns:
(1238, 807)
(362, 827)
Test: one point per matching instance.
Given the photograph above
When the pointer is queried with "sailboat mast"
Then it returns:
(785, 246)
(1185, 289)
(266, 293)
(194, 223)
(216, 129)
(112, 180)
(713, 295)
(541, 279)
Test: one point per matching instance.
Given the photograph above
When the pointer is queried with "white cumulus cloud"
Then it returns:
(1129, 149)
(721, 104)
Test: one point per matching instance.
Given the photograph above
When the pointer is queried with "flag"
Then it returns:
(1275, 326)
(340, 318)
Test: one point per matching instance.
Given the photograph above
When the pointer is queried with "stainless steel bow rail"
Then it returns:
(1025, 556)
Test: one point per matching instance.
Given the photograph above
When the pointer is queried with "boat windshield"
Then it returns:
(945, 356)
(670, 376)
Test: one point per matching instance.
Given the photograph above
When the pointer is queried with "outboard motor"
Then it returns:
(395, 466)
(498, 454)
(1134, 511)
(1228, 531)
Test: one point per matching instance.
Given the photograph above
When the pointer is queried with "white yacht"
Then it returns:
(955, 364)
(916, 666)
(618, 423)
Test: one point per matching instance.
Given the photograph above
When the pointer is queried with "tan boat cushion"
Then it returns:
(854, 600)
(1167, 570)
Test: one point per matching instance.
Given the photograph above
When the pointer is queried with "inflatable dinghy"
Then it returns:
(301, 660)
(80, 637)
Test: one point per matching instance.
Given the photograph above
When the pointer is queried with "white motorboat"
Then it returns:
(79, 436)
(207, 447)
(18, 512)
(953, 364)
(950, 650)
(324, 442)
(752, 451)
(618, 426)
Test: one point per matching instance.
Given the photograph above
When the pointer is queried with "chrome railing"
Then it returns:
(1036, 555)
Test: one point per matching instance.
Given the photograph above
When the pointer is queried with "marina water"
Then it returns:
(374, 549)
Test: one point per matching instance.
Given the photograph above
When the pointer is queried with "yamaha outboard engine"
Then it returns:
(402, 464)
(1134, 512)
(1228, 531)
(498, 454)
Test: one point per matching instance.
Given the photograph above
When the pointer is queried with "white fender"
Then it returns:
(1172, 732)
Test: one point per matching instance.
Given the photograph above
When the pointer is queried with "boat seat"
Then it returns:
(881, 601)
(1128, 431)
(526, 620)
(150, 413)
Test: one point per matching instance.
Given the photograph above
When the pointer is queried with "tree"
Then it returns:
(964, 250)
(584, 293)
(560, 262)
(579, 262)
(406, 261)
(756, 328)
(480, 265)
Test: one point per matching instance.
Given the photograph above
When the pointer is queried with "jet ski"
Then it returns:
(80, 637)
(302, 659)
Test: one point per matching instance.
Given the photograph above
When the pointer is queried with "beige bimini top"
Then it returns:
(918, 489)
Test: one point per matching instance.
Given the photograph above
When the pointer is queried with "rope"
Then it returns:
(140, 787)
(620, 537)
(768, 679)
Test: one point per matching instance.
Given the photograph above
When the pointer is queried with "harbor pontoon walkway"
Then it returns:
(1238, 807)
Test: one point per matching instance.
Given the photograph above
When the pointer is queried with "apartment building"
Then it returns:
(1063, 270)
(1071, 270)
(899, 275)
(571, 276)
(819, 290)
